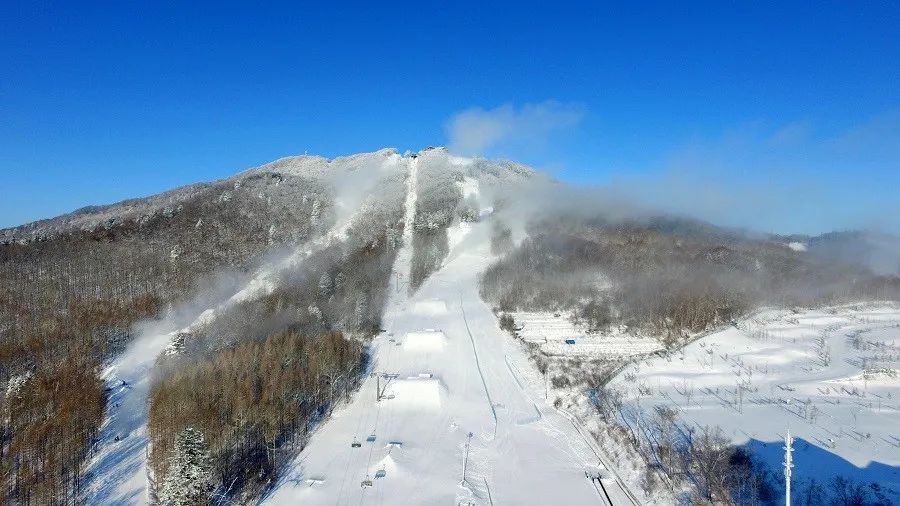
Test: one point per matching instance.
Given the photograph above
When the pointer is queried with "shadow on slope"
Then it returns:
(812, 462)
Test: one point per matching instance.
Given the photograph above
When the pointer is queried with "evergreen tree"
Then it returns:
(362, 311)
(188, 481)
(326, 285)
(339, 281)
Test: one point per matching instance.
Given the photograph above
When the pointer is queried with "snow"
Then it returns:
(469, 187)
(797, 246)
(117, 473)
(415, 393)
(456, 234)
(447, 388)
(430, 307)
(551, 331)
(403, 262)
(435, 374)
(424, 341)
(460, 160)
(15, 384)
(829, 376)
(453, 375)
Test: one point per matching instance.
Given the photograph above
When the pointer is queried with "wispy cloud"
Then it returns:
(477, 131)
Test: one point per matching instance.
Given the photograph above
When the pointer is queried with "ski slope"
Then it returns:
(443, 370)
(117, 473)
(448, 390)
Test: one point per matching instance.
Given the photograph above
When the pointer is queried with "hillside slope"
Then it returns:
(365, 327)
(451, 396)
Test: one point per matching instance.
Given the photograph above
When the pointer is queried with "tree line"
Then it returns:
(254, 404)
(669, 281)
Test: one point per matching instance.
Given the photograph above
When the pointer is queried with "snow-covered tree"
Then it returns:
(188, 481)
(326, 285)
(362, 311)
(468, 209)
(393, 236)
(339, 281)
(316, 212)
(315, 312)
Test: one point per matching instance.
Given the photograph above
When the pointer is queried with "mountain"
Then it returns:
(280, 319)
(880, 252)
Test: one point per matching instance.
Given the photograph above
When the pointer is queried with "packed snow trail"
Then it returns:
(404, 265)
(117, 473)
(412, 433)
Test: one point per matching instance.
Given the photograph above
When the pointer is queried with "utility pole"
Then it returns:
(788, 464)
(546, 386)
(466, 460)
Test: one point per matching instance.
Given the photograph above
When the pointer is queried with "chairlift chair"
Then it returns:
(355, 443)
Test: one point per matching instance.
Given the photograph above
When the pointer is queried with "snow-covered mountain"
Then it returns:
(418, 328)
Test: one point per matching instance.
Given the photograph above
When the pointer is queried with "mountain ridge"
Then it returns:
(96, 216)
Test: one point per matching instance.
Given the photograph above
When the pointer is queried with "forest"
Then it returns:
(72, 288)
(670, 277)
(256, 379)
(254, 404)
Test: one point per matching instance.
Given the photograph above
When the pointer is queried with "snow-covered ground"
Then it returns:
(831, 377)
(117, 473)
(451, 385)
(550, 331)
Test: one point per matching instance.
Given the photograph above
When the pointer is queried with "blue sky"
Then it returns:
(779, 116)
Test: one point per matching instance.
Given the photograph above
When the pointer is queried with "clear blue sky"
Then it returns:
(781, 116)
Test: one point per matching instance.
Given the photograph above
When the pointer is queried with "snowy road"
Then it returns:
(443, 383)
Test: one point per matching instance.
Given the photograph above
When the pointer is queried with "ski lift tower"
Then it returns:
(788, 465)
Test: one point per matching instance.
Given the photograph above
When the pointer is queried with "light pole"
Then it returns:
(466, 460)
(788, 464)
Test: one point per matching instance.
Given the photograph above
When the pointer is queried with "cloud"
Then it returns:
(791, 134)
(794, 177)
(476, 131)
